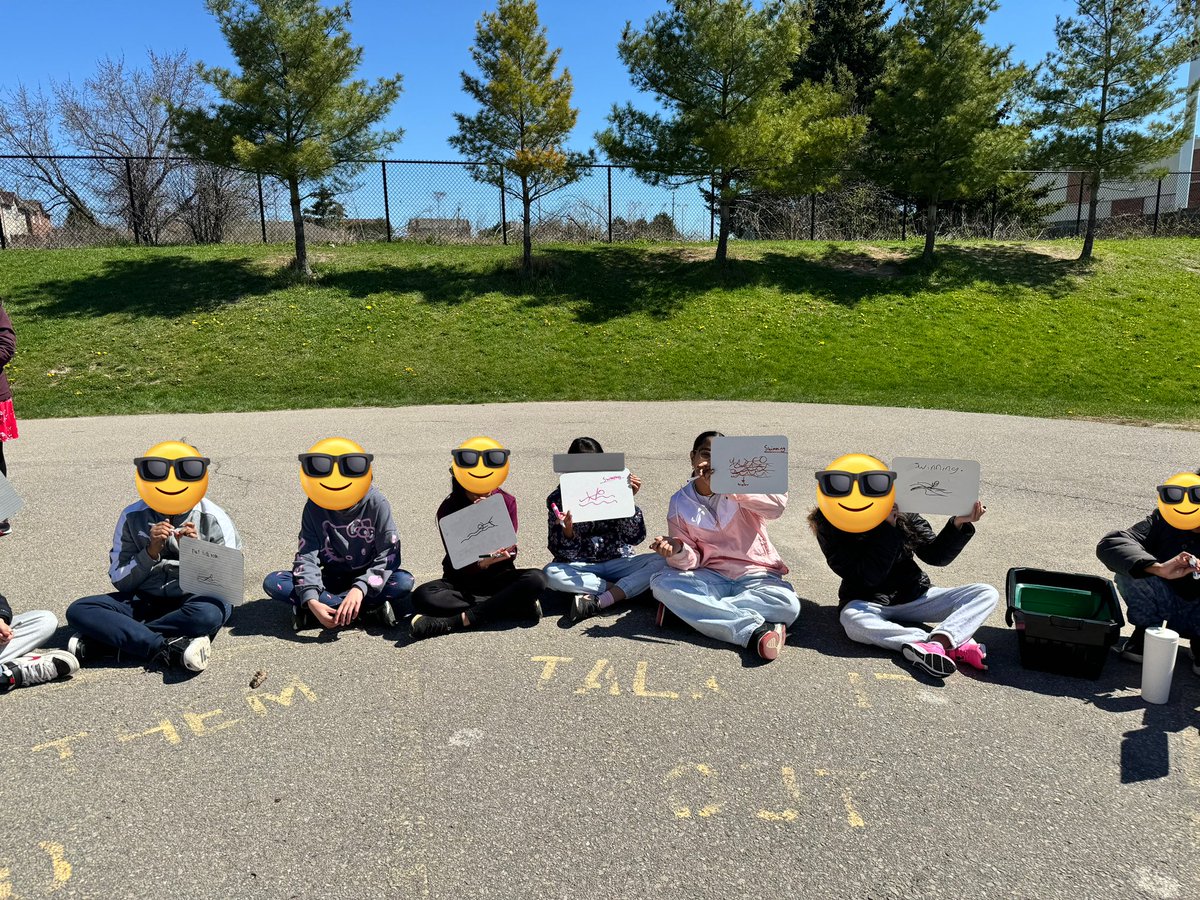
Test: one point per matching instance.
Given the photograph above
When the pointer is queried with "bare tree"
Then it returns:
(119, 115)
(28, 124)
(123, 112)
(212, 200)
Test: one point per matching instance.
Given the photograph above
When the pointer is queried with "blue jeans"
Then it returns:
(727, 609)
(1151, 601)
(282, 586)
(138, 625)
(631, 574)
(958, 611)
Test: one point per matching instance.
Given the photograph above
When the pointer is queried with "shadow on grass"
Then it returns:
(156, 286)
(603, 283)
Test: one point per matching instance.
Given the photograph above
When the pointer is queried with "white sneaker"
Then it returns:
(190, 653)
(195, 655)
(38, 668)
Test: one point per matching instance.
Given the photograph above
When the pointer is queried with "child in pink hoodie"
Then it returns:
(724, 576)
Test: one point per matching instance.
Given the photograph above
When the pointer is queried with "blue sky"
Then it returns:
(426, 42)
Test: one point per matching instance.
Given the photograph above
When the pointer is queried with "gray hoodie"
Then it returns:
(130, 567)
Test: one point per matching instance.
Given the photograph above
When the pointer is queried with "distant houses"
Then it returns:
(23, 219)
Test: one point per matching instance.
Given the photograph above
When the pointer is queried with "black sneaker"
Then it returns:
(421, 626)
(535, 610)
(302, 617)
(385, 615)
(583, 606)
(1132, 648)
(186, 653)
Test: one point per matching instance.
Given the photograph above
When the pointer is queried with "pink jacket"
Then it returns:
(732, 543)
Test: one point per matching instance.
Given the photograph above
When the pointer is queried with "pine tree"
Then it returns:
(717, 69)
(325, 209)
(942, 106)
(292, 110)
(517, 139)
(846, 47)
(1109, 103)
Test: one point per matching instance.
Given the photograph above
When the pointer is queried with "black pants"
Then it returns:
(505, 596)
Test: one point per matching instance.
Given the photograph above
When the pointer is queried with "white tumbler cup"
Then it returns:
(1158, 664)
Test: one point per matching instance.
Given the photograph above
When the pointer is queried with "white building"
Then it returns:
(1177, 191)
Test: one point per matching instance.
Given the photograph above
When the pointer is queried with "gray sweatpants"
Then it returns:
(958, 611)
(30, 630)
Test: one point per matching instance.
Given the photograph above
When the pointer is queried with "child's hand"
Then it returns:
(568, 525)
(188, 530)
(666, 547)
(326, 615)
(974, 515)
(498, 557)
(635, 483)
(347, 610)
(703, 480)
(5, 633)
(160, 533)
(1173, 568)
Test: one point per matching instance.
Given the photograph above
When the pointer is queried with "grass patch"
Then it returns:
(1009, 328)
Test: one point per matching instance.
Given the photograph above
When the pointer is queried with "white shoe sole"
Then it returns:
(195, 657)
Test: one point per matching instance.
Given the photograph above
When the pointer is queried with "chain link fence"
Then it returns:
(54, 202)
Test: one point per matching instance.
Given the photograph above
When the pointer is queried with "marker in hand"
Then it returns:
(558, 514)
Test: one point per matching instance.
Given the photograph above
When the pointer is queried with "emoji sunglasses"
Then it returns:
(158, 468)
(870, 484)
(351, 465)
(469, 459)
(1171, 494)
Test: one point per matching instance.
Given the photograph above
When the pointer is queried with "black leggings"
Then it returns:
(3, 464)
(504, 596)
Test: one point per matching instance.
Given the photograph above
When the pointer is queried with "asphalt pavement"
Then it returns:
(613, 758)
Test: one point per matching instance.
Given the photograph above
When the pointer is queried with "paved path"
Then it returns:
(608, 760)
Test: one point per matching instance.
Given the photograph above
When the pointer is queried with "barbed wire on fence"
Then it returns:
(88, 201)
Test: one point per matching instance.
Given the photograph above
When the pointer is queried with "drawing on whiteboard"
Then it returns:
(931, 488)
(599, 497)
(755, 467)
(207, 578)
(480, 529)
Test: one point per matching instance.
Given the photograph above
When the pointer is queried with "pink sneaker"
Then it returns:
(930, 657)
(972, 654)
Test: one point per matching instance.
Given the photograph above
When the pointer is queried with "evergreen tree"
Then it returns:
(292, 110)
(942, 107)
(1109, 104)
(517, 138)
(846, 47)
(717, 69)
(325, 209)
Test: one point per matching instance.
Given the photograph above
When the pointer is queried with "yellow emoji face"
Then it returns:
(856, 492)
(480, 465)
(1179, 501)
(172, 477)
(335, 473)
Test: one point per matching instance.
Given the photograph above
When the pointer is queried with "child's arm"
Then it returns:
(306, 569)
(130, 560)
(1125, 552)
(5, 611)
(765, 506)
(688, 557)
(943, 549)
(387, 556)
